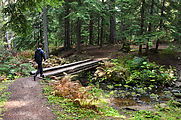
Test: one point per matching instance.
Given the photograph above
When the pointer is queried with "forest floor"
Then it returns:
(113, 51)
(163, 57)
(27, 101)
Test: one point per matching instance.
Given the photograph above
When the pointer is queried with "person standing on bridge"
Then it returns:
(39, 56)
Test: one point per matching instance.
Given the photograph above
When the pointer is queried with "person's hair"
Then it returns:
(40, 45)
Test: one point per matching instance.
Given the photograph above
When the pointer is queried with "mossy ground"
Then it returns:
(168, 113)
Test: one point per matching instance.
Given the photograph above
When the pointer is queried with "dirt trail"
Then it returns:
(26, 102)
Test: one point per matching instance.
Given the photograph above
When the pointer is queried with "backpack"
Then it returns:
(38, 56)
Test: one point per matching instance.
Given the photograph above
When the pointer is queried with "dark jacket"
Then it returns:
(39, 54)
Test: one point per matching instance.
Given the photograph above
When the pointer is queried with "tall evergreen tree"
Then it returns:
(91, 30)
(102, 28)
(161, 23)
(142, 23)
(150, 25)
(45, 32)
(112, 38)
(67, 26)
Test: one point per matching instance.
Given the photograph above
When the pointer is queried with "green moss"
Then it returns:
(167, 112)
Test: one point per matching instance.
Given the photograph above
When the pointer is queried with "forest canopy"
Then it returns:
(92, 22)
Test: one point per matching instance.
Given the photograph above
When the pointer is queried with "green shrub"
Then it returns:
(139, 71)
(12, 67)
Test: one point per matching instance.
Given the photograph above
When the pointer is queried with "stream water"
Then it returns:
(132, 96)
(129, 97)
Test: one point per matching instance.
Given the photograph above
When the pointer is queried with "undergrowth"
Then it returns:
(11, 67)
(136, 71)
(72, 101)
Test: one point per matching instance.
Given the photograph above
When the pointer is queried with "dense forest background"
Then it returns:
(73, 23)
(125, 53)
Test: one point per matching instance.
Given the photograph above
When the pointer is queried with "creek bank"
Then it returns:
(129, 98)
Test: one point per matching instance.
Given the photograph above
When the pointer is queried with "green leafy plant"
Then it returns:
(139, 71)
(12, 67)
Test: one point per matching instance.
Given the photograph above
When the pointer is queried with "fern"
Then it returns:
(12, 67)
(4, 68)
(83, 96)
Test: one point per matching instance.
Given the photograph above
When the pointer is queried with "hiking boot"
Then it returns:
(34, 78)
(41, 76)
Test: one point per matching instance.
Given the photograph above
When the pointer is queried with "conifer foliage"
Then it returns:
(76, 22)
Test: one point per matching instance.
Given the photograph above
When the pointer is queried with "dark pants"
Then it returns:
(39, 70)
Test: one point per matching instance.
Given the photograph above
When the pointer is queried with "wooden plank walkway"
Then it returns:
(72, 68)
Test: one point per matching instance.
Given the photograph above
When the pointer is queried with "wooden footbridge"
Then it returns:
(71, 68)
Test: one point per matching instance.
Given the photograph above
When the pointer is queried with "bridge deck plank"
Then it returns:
(61, 66)
(72, 69)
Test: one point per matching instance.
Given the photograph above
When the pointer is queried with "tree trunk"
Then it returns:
(78, 34)
(102, 27)
(112, 36)
(125, 44)
(150, 25)
(4, 33)
(91, 30)
(98, 30)
(45, 32)
(142, 24)
(78, 30)
(7, 32)
(41, 33)
(161, 24)
(8, 39)
(67, 28)
(71, 33)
